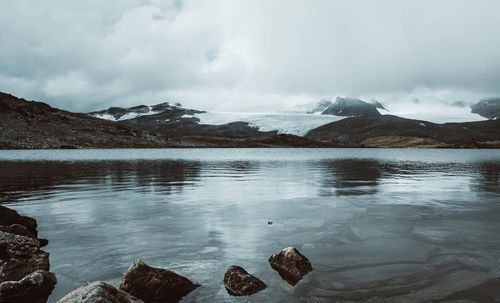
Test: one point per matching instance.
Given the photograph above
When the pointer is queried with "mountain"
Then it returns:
(351, 107)
(31, 124)
(175, 121)
(355, 130)
(488, 108)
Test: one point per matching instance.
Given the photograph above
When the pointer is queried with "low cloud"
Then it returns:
(250, 55)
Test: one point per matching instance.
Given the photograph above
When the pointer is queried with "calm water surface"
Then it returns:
(399, 225)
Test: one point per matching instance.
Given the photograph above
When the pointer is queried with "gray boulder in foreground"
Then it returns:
(290, 264)
(33, 288)
(155, 285)
(98, 292)
(239, 282)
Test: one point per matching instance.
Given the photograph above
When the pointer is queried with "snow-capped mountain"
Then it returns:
(170, 115)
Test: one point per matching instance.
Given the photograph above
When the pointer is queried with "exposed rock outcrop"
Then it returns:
(351, 107)
(33, 288)
(290, 264)
(98, 292)
(239, 282)
(155, 285)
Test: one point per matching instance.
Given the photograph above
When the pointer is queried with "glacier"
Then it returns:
(283, 123)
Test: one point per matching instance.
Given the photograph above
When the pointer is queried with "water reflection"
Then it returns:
(349, 177)
(371, 226)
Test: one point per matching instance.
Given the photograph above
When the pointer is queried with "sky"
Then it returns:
(251, 55)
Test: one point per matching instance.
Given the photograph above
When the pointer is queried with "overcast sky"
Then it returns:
(261, 56)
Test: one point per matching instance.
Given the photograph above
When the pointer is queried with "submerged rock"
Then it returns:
(98, 292)
(155, 285)
(33, 288)
(20, 256)
(239, 282)
(9, 216)
(290, 264)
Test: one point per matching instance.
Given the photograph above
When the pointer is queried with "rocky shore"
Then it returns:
(25, 272)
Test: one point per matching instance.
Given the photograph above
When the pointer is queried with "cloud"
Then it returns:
(251, 55)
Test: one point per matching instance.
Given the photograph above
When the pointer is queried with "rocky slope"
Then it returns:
(357, 129)
(32, 125)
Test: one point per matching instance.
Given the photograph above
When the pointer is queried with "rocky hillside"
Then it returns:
(175, 121)
(32, 125)
(357, 129)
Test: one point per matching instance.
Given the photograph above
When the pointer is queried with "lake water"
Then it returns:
(391, 225)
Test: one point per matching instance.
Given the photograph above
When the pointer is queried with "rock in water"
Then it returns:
(20, 256)
(155, 285)
(239, 282)
(9, 216)
(34, 288)
(290, 264)
(98, 292)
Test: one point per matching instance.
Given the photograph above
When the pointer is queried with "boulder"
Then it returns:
(9, 216)
(290, 264)
(17, 229)
(239, 282)
(98, 292)
(34, 288)
(21, 230)
(20, 256)
(155, 285)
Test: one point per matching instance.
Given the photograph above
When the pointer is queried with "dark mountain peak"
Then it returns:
(488, 108)
(351, 107)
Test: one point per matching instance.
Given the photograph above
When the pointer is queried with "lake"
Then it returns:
(398, 225)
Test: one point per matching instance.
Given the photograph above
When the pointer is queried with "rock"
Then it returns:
(17, 229)
(21, 230)
(34, 288)
(290, 264)
(20, 256)
(43, 242)
(239, 282)
(9, 216)
(98, 292)
(155, 285)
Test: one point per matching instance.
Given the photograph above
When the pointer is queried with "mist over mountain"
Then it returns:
(488, 108)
